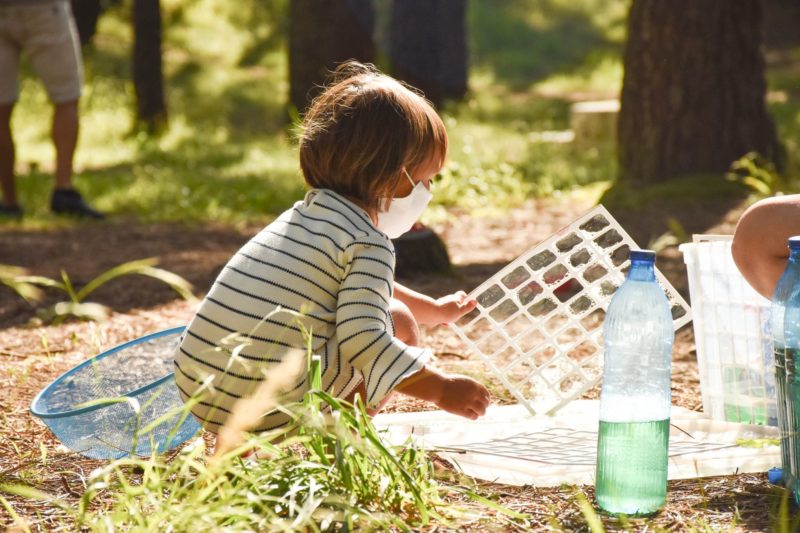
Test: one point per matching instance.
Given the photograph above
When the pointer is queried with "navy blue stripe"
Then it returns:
(371, 275)
(344, 216)
(373, 291)
(360, 317)
(218, 369)
(211, 405)
(367, 347)
(360, 214)
(354, 335)
(289, 222)
(301, 260)
(278, 285)
(266, 320)
(268, 415)
(373, 244)
(260, 339)
(367, 258)
(394, 383)
(273, 302)
(288, 271)
(380, 379)
(199, 381)
(325, 221)
(256, 317)
(338, 369)
(205, 421)
(366, 304)
(333, 261)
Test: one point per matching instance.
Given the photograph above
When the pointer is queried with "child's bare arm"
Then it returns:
(759, 243)
(427, 310)
(455, 394)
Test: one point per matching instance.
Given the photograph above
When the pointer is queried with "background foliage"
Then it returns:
(229, 155)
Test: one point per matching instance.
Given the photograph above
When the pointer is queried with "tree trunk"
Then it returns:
(86, 13)
(781, 23)
(322, 34)
(693, 97)
(428, 41)
(148, 78)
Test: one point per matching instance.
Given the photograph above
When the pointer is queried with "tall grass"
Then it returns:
(327, 470)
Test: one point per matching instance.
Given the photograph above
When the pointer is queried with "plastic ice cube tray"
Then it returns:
(538, 322)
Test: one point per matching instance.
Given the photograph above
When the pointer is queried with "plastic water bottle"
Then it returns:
(785, 325)
(635, 398)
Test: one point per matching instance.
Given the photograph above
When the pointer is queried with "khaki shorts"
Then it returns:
(46, 33)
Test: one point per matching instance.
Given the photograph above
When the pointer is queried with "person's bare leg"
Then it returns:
(67, 200)
(65, 138)
(7, 156)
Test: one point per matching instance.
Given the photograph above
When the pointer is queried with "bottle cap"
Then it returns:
(775, 476)
(643, 255)
(794, 242)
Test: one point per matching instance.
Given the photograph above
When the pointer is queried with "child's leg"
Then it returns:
(405, 325)
(407, 330)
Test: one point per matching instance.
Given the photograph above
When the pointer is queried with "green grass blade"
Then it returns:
(592, 519)
(69, 288)
(42, 281)
(176, 283)
(131, 267)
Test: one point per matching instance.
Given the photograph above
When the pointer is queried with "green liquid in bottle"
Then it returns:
(632, 466)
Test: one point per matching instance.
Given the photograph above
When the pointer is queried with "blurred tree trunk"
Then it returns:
(428, 50)
(693, 97)
(148, 78)
(781, 23)
(86, 13)
(322, 34)
(428, 46)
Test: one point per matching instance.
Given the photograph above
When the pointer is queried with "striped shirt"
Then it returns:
(322, 259)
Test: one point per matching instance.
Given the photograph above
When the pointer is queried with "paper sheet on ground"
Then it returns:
(510, 446)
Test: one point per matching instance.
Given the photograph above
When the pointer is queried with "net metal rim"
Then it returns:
(73, 412)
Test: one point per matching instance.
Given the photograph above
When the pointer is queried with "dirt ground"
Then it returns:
(32, 355)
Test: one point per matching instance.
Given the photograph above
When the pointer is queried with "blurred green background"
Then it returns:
(229, 156)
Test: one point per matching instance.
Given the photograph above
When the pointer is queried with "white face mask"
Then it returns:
(403, 212)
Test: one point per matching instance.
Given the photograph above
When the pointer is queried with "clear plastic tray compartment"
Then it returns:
(538, 322)
(731, 328)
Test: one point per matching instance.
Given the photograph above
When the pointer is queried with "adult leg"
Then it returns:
(55, 55)
(7, 156)
(65, 138)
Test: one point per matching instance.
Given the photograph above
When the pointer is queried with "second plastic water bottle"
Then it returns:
(635, 402)
(785, 322)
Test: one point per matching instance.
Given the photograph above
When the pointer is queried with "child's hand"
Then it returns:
(464, 396)
(453, 306)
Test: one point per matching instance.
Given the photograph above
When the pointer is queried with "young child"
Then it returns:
(369, 149)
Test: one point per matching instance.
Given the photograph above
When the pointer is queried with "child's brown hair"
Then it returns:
(363, 129)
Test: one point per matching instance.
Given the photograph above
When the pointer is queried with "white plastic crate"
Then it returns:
(538, 322)
(731, 329)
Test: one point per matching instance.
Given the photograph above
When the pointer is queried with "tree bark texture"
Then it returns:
(428, 46)
(86, 13)
(322, 34)
(693, 96)
(148, 78)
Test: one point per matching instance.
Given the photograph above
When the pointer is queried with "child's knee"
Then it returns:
(405, 326)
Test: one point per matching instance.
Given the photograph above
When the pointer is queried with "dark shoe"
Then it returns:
(70, 202)
(10, 211)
